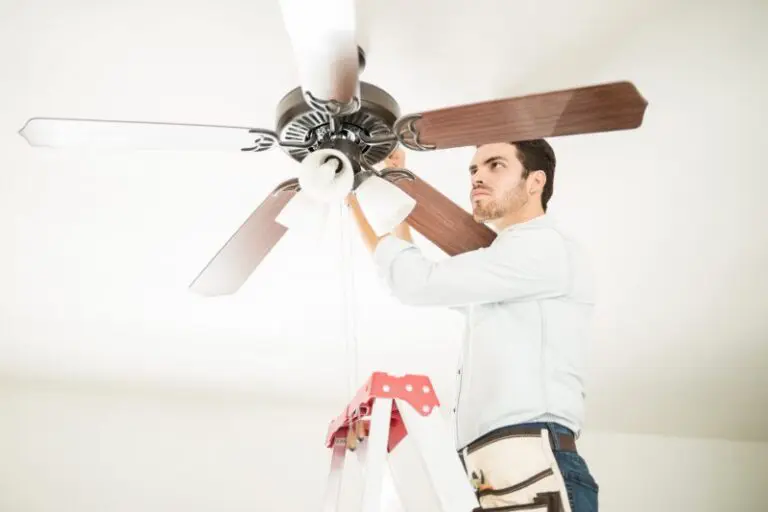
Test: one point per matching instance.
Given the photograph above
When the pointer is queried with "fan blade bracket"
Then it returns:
(264, 140)
(290, 185)
(333, 107)
(408, 135)
(395, 174)
(267, 139)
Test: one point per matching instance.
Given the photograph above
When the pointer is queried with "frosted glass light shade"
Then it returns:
(304, 213)
(320, 185)
(384, 204)
(320, 180)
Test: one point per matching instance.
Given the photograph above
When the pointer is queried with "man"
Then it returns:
(528, 300)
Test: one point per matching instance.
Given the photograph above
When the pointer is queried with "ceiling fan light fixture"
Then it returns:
(383, 203)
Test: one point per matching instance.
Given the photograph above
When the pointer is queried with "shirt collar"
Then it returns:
(541, 220)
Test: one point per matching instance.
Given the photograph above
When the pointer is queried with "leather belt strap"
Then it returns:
(565, 442)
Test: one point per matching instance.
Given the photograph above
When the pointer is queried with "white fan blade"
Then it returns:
(323, 36)
(86, 133)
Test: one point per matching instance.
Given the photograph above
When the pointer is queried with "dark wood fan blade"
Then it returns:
(596, 108)
(442, 221)
(245, 250)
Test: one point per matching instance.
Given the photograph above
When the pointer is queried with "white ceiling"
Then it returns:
(99, 247)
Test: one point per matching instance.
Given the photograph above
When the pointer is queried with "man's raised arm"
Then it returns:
(528, 264)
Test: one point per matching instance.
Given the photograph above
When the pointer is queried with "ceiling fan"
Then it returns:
(338, 125)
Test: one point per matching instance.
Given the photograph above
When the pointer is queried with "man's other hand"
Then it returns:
(401, 231)
(395, 159)
(351, 201)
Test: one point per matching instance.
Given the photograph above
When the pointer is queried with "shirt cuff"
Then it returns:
(388, 249)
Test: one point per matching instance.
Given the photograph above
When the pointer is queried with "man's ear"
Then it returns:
(536, 182)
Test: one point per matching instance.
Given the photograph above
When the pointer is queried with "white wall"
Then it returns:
(88, 449)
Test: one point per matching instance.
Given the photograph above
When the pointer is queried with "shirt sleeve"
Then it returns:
(526, 264)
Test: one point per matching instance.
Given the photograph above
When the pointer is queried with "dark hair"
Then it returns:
(538, 155)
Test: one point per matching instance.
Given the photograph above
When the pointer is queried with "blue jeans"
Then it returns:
(579, 482)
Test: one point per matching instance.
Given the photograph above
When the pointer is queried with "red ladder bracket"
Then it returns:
(417, 390)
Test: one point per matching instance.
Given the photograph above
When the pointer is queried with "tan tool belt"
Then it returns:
(515, 469)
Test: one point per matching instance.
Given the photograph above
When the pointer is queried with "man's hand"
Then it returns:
(403, 232)
(395, 159)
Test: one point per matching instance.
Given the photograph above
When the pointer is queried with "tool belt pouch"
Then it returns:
(517, 472)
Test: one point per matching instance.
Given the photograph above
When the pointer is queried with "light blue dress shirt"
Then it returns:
(528, 300)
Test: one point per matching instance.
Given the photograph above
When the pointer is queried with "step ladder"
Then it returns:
(407, 454)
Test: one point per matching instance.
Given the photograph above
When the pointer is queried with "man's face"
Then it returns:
(497, 184)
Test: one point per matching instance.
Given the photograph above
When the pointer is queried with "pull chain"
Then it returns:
(350, 305)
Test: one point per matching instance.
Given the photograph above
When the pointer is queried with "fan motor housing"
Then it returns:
(297, 121)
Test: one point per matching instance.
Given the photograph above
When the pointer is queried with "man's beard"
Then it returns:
(491, 210)
(494, 209)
